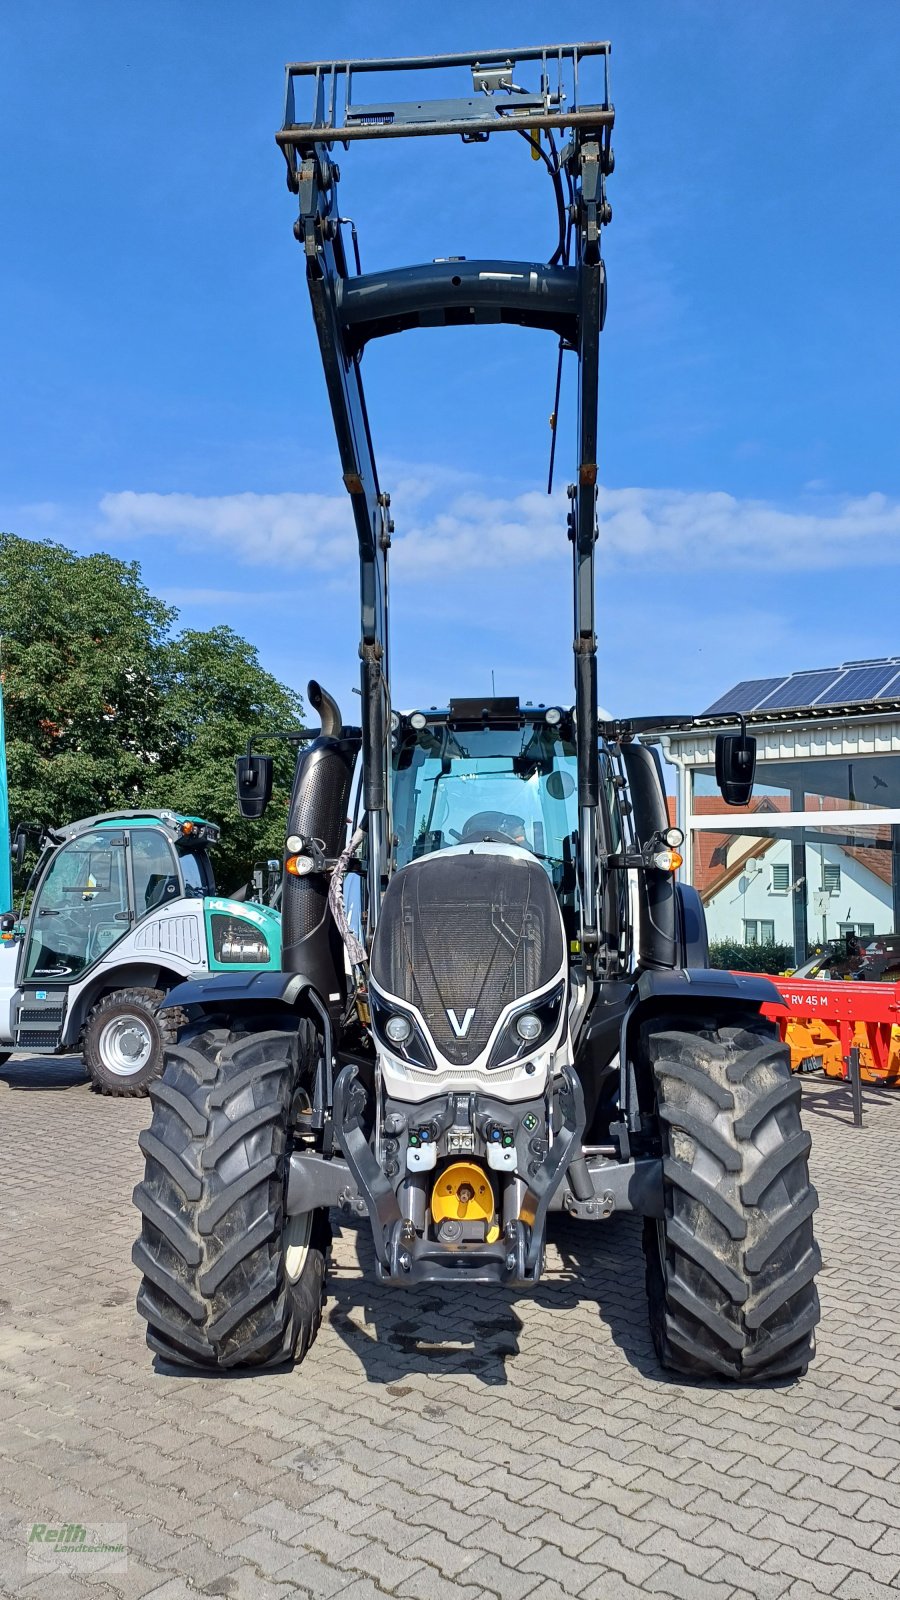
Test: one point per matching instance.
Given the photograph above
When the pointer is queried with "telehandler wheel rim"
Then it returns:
(125, 1045)
(295, 1244)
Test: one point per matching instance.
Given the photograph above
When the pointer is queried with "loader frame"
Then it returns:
(566, 295)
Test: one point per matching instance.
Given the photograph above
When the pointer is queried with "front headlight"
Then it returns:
(399, 1032)
(527, 1029)
(398, 1029)
(238, 943)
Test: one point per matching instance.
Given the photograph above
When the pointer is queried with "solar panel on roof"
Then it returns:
(858, 683)
(800, 689)
(744, 696)
(873, 661)
(891, 689)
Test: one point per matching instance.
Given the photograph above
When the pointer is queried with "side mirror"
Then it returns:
(736, 766)
(19, 846)
(253, 777)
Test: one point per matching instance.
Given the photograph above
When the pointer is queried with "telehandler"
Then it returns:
(123, 907)
(517, 1017)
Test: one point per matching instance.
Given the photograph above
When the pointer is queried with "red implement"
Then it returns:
(853, 1012)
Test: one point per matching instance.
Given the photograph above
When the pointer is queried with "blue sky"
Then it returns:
(162, 397)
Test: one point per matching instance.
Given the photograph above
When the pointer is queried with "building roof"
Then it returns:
(712, 870)
(856, 683)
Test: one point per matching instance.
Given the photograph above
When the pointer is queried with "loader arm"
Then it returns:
(566, 296)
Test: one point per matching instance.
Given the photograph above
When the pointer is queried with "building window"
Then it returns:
(831, 877)
(862, 930)
(766, 932)
(759, 930)
(781, 877)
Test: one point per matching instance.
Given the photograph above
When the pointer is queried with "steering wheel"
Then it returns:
(486, 826)
(489, 836)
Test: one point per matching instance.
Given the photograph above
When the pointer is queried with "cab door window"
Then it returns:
(198, 878)
(155, 870)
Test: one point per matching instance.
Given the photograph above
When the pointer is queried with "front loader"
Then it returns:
(495, 1000)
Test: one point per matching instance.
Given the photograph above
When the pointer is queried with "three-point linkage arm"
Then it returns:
(566, 296)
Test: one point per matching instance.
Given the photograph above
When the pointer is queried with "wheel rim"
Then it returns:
(296, 1244)
(126, 1045)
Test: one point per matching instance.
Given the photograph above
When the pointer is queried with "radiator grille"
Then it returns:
(467, 933)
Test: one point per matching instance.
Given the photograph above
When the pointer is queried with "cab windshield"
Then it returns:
(514, 785)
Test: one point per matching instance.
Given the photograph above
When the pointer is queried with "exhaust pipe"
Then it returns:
(311, 941)
(328, 709)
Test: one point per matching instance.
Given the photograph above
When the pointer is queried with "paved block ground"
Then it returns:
(433, 1447)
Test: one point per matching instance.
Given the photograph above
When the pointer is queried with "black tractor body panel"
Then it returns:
(693, 938)
(318, 810)
(659, 921)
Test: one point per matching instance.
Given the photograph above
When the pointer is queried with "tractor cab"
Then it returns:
(488, 772)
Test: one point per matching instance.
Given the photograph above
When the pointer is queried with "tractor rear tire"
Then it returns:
(228, 1279)
(125, 1038)
(731, 1267)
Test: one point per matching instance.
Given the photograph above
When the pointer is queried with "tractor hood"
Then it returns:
(462, 935)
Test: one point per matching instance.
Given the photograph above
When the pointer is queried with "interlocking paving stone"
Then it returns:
(435, 1446)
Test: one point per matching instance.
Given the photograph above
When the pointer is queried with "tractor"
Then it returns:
(494, 1000)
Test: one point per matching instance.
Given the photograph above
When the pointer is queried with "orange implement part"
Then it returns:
(829, 1018)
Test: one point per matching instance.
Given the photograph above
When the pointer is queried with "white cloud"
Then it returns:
(445, 523)
(272, 529)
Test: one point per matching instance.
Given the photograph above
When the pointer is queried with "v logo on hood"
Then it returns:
(460, 1028)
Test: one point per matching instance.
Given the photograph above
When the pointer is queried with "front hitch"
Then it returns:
(516, 1259)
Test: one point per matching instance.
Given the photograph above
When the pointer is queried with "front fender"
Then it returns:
(712, 983)
(227, 991)
(708, 990)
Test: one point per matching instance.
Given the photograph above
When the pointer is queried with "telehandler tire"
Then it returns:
(228, 1280)
(731, 1267)
(124, 1040)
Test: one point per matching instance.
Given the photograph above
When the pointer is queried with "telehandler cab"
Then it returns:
(519, 1016)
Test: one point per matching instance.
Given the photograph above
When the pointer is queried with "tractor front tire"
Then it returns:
(731, 1267)
(125, 1038)
(228, 1279)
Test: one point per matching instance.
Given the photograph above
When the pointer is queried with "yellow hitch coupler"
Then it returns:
(463, 1192)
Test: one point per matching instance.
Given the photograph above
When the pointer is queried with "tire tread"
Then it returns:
(731, 1268)
(213, 1290)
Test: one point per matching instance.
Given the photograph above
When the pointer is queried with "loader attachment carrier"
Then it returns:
(566, 295)
(512, 1014)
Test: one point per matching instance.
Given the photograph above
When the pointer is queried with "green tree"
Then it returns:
(217, 696)
(106, 707)
(83, 649)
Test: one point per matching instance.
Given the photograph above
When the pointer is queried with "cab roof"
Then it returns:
(176, 823)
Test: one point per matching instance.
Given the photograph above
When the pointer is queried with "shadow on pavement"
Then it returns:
(832, 1099)
(44, 1072)
(477, 1330)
